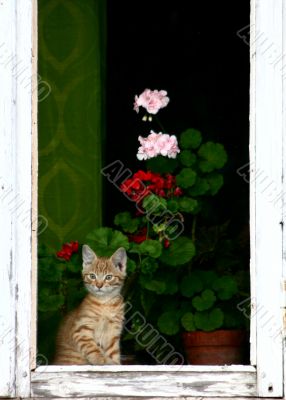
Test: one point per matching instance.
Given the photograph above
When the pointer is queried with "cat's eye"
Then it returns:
(108, 277)
(92, 276)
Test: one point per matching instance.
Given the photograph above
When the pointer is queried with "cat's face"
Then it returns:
(104, 277)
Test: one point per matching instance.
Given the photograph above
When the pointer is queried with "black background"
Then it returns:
(192, 50)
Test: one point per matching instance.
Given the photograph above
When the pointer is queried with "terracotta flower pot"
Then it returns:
(221, 347)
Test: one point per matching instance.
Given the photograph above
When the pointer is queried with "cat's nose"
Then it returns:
(99, 285)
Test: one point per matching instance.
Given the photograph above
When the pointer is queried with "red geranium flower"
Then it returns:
(138, 237)
(67, 250)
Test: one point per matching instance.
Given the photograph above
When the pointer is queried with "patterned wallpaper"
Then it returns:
(72, 37)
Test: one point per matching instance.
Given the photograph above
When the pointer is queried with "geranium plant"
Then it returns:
(167, 281)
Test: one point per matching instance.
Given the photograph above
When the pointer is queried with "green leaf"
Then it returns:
(186, 178)
(200, 187)
(188, 323)
(50, 270)
(154, 204)
(226, 287)
(213, 156)
(105, 241)
(181, 251)
(187, 158)
(49, 301)
(191, 284)
(173, 205)
(215, 181)
(209, 320)
(162, 164)
(186, 204)
(171, 284)
(149, 266)
(153, 285)
(131, 266)
(127, 223)
(191, 138)
(168, 323)
(205, 301)
(151, 247)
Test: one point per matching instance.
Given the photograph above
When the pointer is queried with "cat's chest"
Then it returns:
(107, 325)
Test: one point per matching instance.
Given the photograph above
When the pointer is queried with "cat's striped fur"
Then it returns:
(90, 334)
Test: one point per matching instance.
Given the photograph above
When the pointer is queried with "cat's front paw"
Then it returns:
(110, 361)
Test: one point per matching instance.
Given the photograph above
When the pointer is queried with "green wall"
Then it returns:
(71, 119)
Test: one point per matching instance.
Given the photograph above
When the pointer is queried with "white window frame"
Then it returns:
(18, 241)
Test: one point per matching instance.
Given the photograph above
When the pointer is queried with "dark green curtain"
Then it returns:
(72, 37)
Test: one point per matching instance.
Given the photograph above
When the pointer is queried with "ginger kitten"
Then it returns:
(90, 334)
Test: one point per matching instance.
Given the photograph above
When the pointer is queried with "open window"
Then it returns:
(21, 376)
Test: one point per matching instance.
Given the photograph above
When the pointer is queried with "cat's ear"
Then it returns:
(119, 259)
(88, 255)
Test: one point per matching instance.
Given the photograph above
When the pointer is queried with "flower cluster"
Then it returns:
(141, 184)
(157, 144)
(151, 100)
(67, 250)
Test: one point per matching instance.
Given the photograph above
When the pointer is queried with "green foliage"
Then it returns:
(181, 251)
(209, 320)
(188, 322)
(213, 156)
(190, 285)
(168, 323)
(162, 164)
(154, 204)
(205, 301)
(187, 158)
(226, 287)
(187, 204)
(190, 139)
(186, 178)
(126, 222)
(105, 241)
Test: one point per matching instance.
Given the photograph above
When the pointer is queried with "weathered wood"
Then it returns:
(144, 380)
(7, 185)
(23, 185)
(34, 274)
(153, 398)
(266, 156)
(15, 193)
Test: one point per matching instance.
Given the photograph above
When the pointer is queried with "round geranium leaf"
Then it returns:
(187, 321)
(213, 156)
(187, 158)
(200, 187)
(186, 178)
(190, 139)
(152, 248)
(173, 205)
(226, 287)
(186, 204)
(191, 284)
(154, 204)
(105, 241)
(149, 265)
(127, 223)
(168, 323)
(181, 251)
(215, 181)
(209, 320)
(205, 301)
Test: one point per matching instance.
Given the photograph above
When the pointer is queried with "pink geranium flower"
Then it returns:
(158, 144)
(151, 100)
